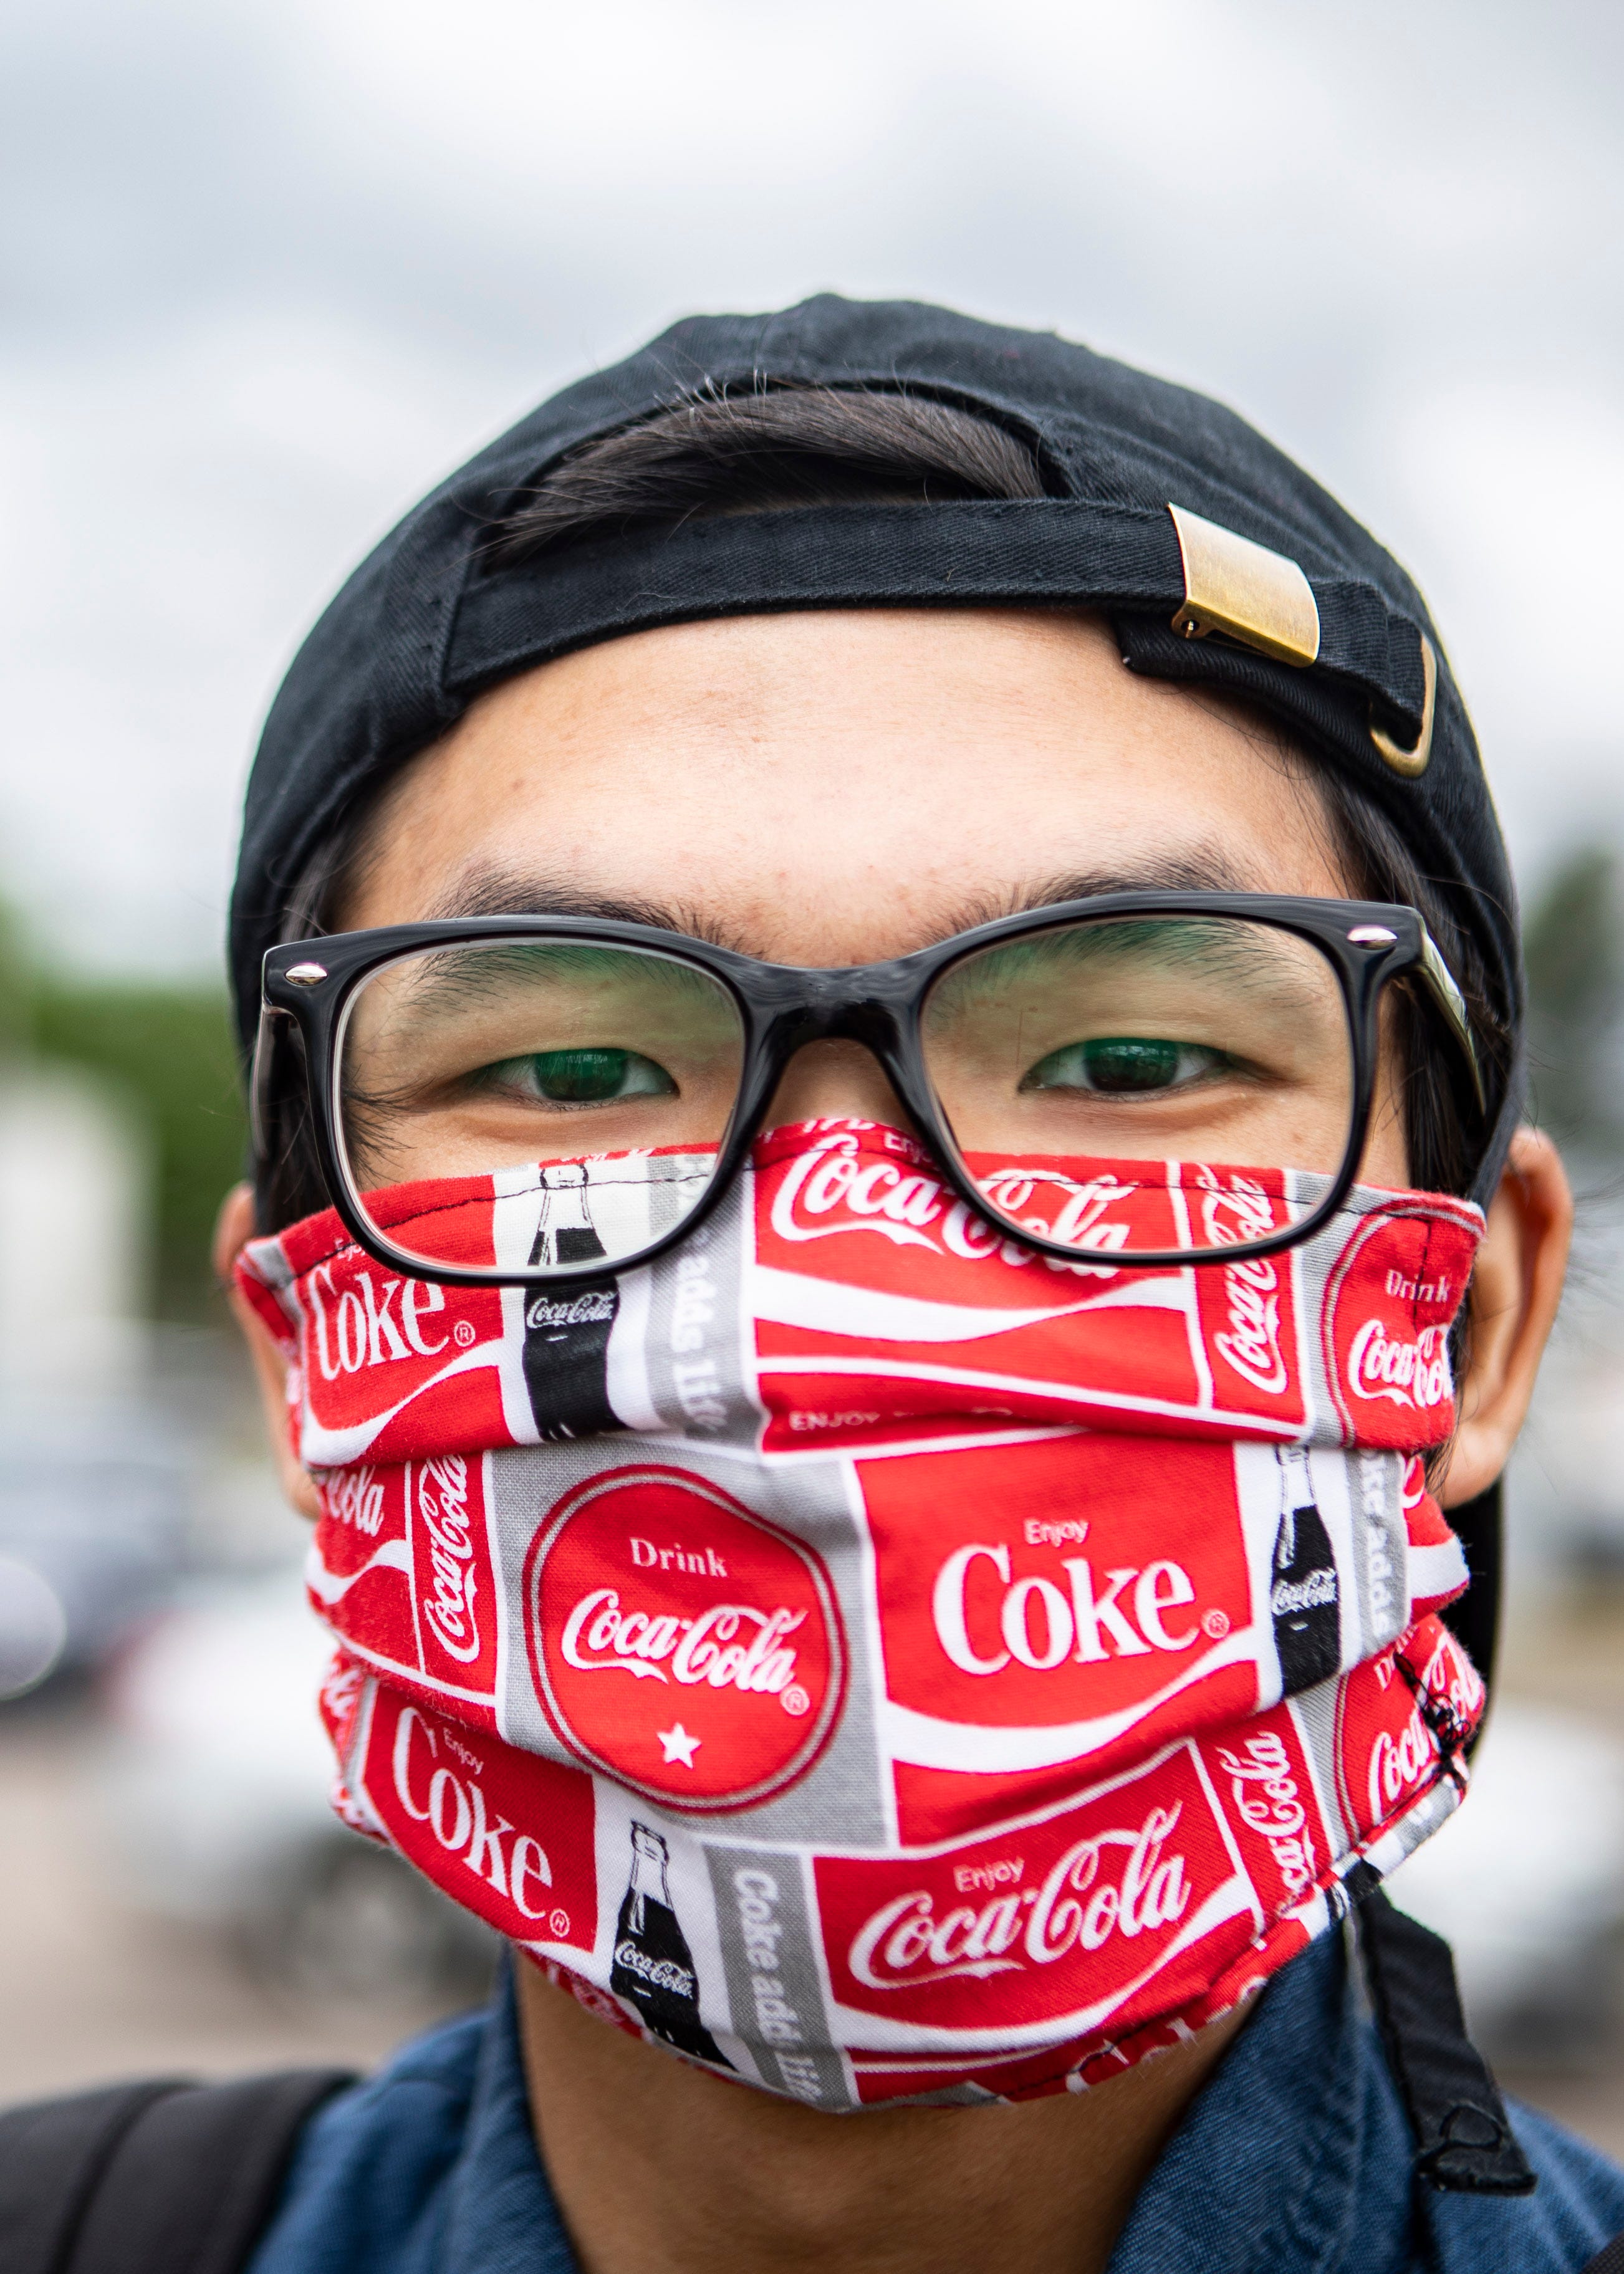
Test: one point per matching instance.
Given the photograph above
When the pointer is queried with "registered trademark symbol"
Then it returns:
(462, 1334)
(794, 1700)
(559, 1924)
(1217, 1624)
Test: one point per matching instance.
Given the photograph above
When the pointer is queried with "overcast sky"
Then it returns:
(266, 271)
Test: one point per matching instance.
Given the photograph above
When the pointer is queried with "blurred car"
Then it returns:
(94, 1511)
(1526, 1882)
(214, 1783)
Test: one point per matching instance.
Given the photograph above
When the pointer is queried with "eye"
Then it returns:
(1127, 1065)
(580, 1077)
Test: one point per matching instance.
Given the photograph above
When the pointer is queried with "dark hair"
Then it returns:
(719, 452)
(722, 453)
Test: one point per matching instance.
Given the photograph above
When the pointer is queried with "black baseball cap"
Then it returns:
(1215, 558)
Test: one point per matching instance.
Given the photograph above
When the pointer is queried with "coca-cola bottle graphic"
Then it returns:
(1303, 1588)
(567, 1329)
(653, 1964)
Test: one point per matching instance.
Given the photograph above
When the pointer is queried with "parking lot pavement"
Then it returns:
(92, 1989)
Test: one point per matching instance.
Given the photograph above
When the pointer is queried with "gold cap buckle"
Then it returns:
(1242, 589)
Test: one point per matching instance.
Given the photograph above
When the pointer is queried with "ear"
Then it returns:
(234, 1227)
(1517, 1285)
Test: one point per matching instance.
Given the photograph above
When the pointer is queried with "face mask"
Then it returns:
(870, 1659)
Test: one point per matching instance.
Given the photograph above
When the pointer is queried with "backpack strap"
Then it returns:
(1608, 2260)
(1464, 2142)
(162, 2177)
(1474, 1618)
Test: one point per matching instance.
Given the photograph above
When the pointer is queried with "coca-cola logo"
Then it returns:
(449, 1608)
(1250, 1342)
(601, 1635)
(1311, 1593)
(666, 1973)
(1399, 1723)
(1414, 1374)
(1400, 1762)
(355, 1496)
(838, 1187)
(1451, 1678)
(1386, 1360)
(593, 1308)
(679, 1642)
(338, 1699)
(1121, 1882)
(1267, 1800)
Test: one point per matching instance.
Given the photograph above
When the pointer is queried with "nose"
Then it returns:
(833, 1079)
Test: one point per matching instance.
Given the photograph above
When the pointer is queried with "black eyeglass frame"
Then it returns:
(785, 1007)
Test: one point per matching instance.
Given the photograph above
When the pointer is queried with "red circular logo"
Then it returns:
(685, 1647)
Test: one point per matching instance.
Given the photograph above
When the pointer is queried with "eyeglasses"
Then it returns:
(622, 1071)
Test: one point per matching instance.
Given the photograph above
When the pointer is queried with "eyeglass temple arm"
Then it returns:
(1440, 984)
(258, 1082)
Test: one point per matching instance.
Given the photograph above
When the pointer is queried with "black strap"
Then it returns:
(1464, 2142)
(1608, 2260)
(158, 2178)
(1474, 1618)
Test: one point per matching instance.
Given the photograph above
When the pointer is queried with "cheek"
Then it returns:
(1386, 1152)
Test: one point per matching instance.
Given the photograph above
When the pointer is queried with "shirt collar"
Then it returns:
(1264, 2171)
(1278, 2154)
(502, 2216)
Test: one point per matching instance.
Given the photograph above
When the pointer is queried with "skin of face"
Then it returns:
(836, 787)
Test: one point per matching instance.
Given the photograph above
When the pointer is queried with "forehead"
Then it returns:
(843, 784)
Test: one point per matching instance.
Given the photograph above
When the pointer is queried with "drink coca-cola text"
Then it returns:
(1413, 1374)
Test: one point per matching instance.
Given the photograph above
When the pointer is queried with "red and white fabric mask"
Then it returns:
(870, 1659)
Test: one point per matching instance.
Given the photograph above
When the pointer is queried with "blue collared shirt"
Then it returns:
(1294, 2158)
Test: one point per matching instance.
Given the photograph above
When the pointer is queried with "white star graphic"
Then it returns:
(679, 1746)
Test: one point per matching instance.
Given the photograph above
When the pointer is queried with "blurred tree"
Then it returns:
(16, 987)
(169, 1047)
(1573, 943)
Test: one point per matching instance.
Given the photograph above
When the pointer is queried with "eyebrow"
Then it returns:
(494, 892)
(1202, 869)
(490, 891)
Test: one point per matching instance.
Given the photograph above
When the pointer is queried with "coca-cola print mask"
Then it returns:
(866, 1657)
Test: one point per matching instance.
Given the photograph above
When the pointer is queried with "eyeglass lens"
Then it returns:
(509, 1057)
(1062, 1061)
(1094, 1047)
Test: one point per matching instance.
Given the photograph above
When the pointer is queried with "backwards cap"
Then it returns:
(1216, 559)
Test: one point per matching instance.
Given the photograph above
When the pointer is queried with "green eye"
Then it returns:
(583, 1077)
(1126, 1065)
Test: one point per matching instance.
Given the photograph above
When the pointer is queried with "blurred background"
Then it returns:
(266, 273)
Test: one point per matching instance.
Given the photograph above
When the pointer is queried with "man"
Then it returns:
(893, 996)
